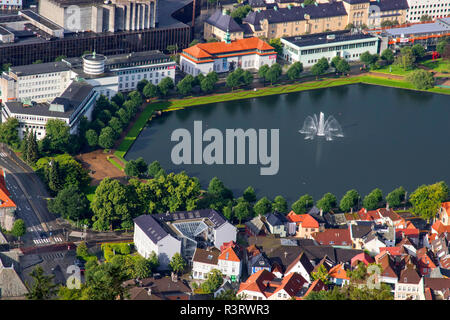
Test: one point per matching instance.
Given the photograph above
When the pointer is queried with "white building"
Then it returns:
(409, 285)
(433, 8)
(76, 101)
(150, 237)
(230, 264)
(203, 262)
(249, 53)
(308, 49)
(108, 75)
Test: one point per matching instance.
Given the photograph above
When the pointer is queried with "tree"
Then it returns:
(303, 204)
(327, 202)
(368, 59)
(373, 199)
(249, 194)
(185, 85)
(164, 86)
(57, 132)
(334, 62)
(262, 71)
(279, 204)
(343, 66)
(43, 287)
(309, 2)
(277, 45)
(141, 85)
(426, 199)
(208, 83)
(387, 55)
(349, 200)
(105, 281)
(177, 263)
(70, 203)
(92, 138)
(154, 168)
(421, 79)
(150, 90)
(349, 26)
(247, 78)
(418, 51)
(396, 197)
(321, 274)
(9, 133)
(136, 168)
(142, 267)
(262, 207)
(55, 177)
(242, 210)
(406, 59)
(116, 125)
(123, 117)
(106, 138)
(214, 280)
(227, 212)
(233, 80)
(295, 70)
(112, 204)
(32, 149)
(194, 42)
(82, 250)
(19, 228)
(240, 13)
(320, 67)
(273, 74)
(442, 44)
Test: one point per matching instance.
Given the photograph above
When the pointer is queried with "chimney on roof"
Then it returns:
(321, 212)
(174, 277)
(285, 254)
(387, 206)
(149, 291)
(365, 210)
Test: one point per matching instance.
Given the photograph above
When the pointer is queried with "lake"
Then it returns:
(392, 137)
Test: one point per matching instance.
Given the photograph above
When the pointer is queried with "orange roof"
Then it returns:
(305, 220)
(5, 200)
(229, 254)
(446, 206)
(317, 285)
(439, 227)
(255, 281)
(207, 50)
(338, 272)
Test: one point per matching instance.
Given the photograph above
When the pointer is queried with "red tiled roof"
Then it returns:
(292, 284)
(207, 50)
(304, 220)
(5, 200)
(439, 227)
(369, 215)
(446, 206)
(252, 251)
(363, 257)
(338, 272)
(256, 282)
(333, 237)
(393, 251)
(386, 264)
(229, 254)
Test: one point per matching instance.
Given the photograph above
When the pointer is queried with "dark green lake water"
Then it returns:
(392, 137)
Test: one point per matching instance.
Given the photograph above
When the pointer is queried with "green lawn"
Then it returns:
(399, 84)
(116, 164)
(393, 69)
(438, 65)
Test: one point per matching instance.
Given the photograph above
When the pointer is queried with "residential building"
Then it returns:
(388, 274)
(373, 242)
(306, 225)
(226, 286)
(230, 262)
(149, 236)
(387, 10)
(408, 285)
(444, 212)
(334, 237)
(257, 263)
(338, 275)
(263, 285)
(294, 21)
(250, 53)
(158, 288)
(7, 206)
(362, 257)
(425, 264)
(77, 101)
(256, 227)
(432, 8)
(308, 49)
(435, 289)
(277, 224)
(11, 285)
(203, 262)
(358, 233)
(217, 26)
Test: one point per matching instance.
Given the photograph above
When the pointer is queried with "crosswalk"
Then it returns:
(53, 256)
(3, 155)
(47, 240)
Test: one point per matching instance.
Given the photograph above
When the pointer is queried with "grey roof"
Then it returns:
(276, 219)
(318, 39)
(356, 1)
(256, 225)
(215, 217)
(257, 3)
(224, 22)
(70, 99)
(10, 283)
(440, 26)
(40, 68)
(260, 261)
(40, 19)
(388, 5)
(150, 227)
(322, 10)
(360, 231)
(4, 31)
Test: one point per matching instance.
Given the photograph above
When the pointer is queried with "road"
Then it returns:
(30, 195)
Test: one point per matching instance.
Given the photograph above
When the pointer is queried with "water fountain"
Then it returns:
(319, 127)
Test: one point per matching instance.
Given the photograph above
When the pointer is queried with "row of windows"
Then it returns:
(38, 89)
(141, 70)
(431, 11)
(431, 6)
(337, 48)
(34, 83)
(347, 56)
(44, 75)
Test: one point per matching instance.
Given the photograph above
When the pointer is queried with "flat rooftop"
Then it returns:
(40, 68)
(440, 26)
(40, 19)
(323, 38)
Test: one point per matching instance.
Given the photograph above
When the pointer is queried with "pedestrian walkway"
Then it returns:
(41, 241)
